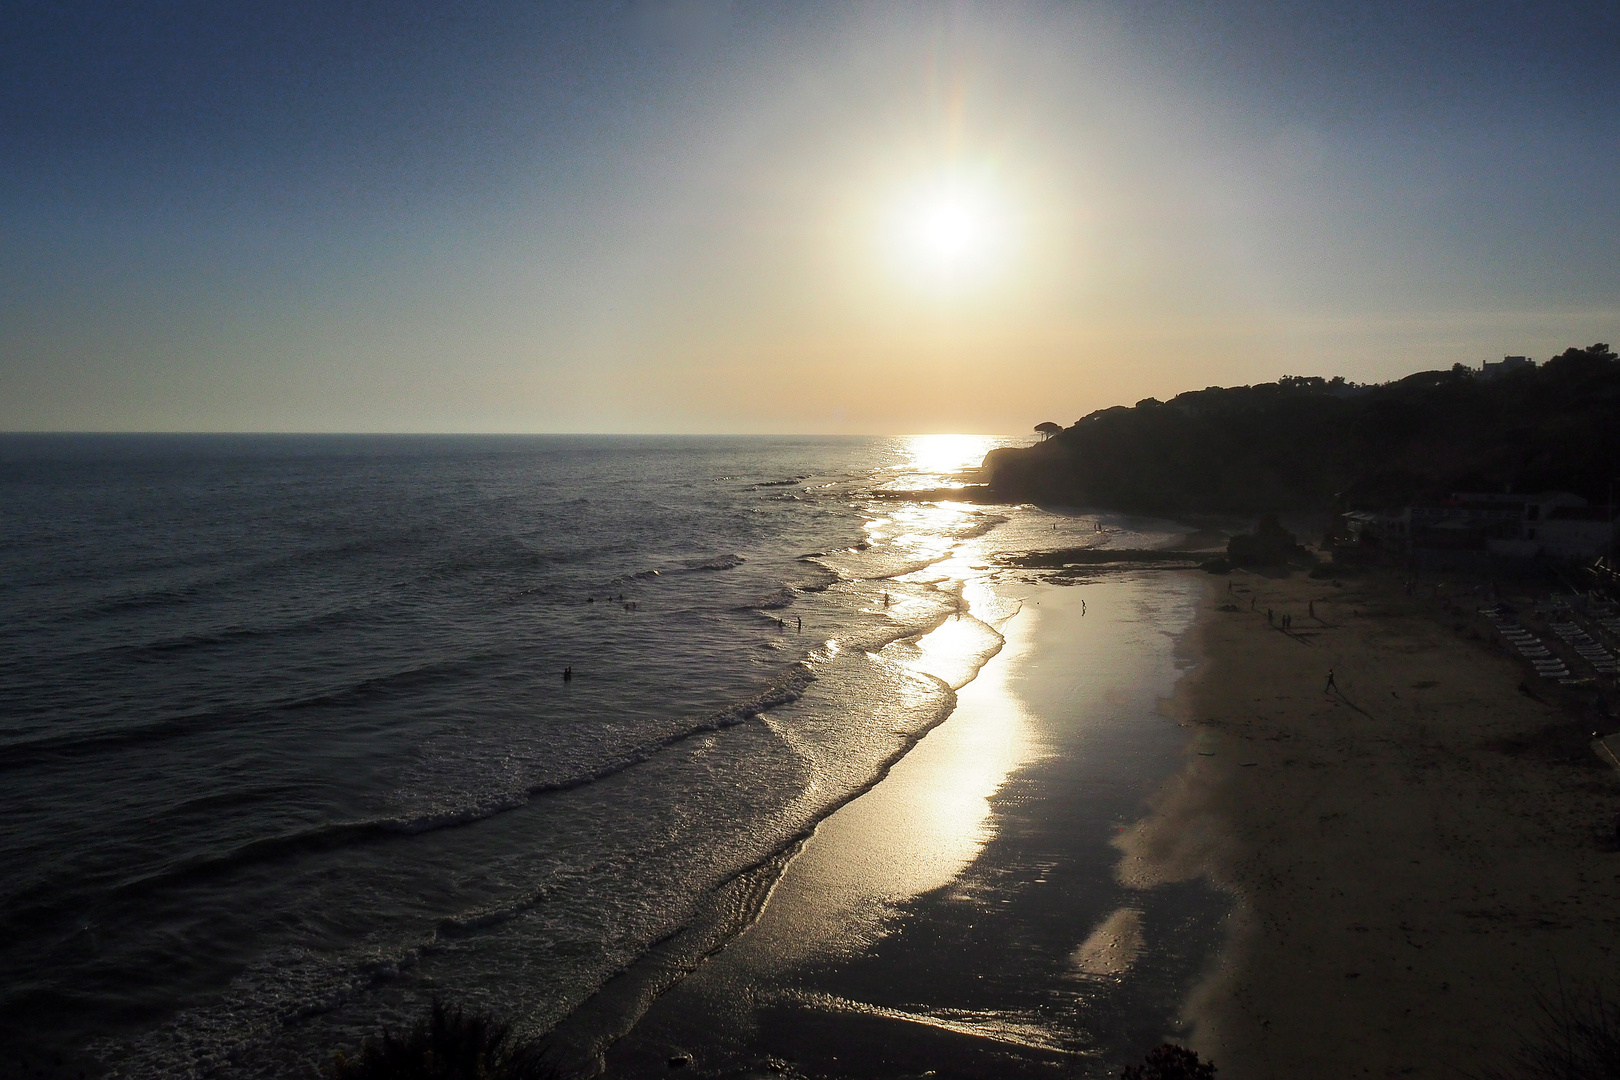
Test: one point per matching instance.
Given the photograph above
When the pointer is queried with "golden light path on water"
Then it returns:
(914, 832)
(939, 456)
(929, 819)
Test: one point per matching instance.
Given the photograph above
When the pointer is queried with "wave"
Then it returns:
(383, 685)
(140, 599)
(721, 911)
(640, 575)
(695, 566)
(579, 1041)
(231, 635)
(722, 562)
(471, 922)
(54, 748)
(507, 553)
(332, 836)
(775, 601)
(500, 553)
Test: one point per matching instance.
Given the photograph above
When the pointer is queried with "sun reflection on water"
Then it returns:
(940, 456)
(917, 830)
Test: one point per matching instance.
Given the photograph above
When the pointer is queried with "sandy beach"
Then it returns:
(1415, 858)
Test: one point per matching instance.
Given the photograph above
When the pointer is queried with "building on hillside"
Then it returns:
(1471, 528)
(1490, 369)
(1555, 524)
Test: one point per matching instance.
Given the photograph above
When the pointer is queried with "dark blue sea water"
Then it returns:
(285, 747)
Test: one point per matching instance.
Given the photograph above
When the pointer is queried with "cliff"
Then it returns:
(1312, 444)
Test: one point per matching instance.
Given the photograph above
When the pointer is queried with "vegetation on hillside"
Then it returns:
(446, 1044)
(1312, 443)
(1171, 1062)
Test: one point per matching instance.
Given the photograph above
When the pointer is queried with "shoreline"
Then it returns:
(963, 916)
(1416, 859)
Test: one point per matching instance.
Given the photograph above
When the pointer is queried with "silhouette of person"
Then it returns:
(568, 674)
(1331, 685)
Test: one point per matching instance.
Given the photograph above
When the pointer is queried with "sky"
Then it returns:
(782, 217)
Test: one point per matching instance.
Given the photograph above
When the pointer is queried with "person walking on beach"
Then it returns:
(801, 623)
(1082, 607)
(1331, 685)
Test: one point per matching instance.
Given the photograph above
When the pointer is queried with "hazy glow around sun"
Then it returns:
(950, 229)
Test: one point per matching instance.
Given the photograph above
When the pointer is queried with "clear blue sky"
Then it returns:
(708, 216)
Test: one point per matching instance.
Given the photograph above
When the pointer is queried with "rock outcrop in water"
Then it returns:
(1269, 545)
(1311, 443)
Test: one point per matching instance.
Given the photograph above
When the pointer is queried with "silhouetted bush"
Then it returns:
(1576, 1038)
(1170, 1062)
(447, 1044)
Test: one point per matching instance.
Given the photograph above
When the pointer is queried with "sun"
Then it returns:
(950, 226)
(950, 229)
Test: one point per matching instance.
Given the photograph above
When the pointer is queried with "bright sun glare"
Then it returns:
(951, 229)
(944, 454)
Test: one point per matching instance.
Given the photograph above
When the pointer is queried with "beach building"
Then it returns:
(1514, 526)
(1582, 533)
(1473, 527)
(1491, 369)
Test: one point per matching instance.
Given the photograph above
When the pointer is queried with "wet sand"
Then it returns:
(1414, 858)
(965, 917)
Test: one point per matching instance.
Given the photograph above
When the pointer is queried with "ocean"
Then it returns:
(300, 732)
